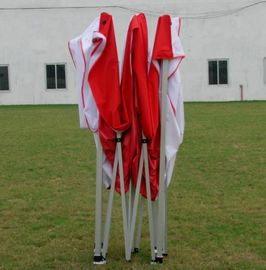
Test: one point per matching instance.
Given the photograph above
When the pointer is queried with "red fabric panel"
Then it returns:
(131, 138)
(104, 79)
(143, 103)
(140, 75)
(162, 49)
(112, 105)
(163, 42)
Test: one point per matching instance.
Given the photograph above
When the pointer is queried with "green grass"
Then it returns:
(217, 198)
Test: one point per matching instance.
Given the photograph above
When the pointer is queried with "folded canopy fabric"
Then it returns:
(135, 73)
(167, 46)
(101, 109)
(103, 76)
(140, 100)
(79, 48)
(132, 107)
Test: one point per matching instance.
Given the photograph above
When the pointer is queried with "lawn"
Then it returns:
(217, 198)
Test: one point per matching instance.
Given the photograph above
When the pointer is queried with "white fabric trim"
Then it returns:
(176, 42)
(175, 122)
(81, 48)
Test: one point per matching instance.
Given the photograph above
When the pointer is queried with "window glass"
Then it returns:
(213, 78)
(50, 76)
(4, 81)
(223, 74)
(61, 76)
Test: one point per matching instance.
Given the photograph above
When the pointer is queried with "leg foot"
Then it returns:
(159, 260)
(99, 260)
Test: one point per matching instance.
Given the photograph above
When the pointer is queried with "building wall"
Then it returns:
(35, 33)
(241, 39)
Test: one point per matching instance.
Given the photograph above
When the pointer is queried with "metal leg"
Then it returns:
(123, 198)
(161, 198)
(131, 205)
(109, 208)
(140, 220)
(136, 199)
(148, 189)
(98, 207)
(133, 192)
(155, 217)
(165, 250)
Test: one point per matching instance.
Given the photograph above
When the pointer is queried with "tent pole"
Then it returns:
(109, 208)
(123, 196)
(133, 194)
(155, 216)
(129, 204)
(148, 190)
(136, 199)
(129, 210)
(140, 220)
(161, 198)
(165, 252)
(98, 206)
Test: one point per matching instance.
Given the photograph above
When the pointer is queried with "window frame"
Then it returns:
(45, 76)
(218, 77)
(8, 74)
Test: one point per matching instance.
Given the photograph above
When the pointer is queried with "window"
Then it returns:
(55, 76)
(4, 80)
(218, 72)
(264, 70)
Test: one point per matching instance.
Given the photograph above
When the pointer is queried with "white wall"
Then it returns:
(241, 38)
(32, 37)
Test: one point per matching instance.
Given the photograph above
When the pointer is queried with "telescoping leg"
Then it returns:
(161, 197)
(123, 198)
(155, 217)
(98, 207)
(148, 190)
(131, 197)
(165, 216)
(130, 213)
(135, 204)
(109, 208)
(136, 244)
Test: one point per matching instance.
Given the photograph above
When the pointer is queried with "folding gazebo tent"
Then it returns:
(135, 111)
